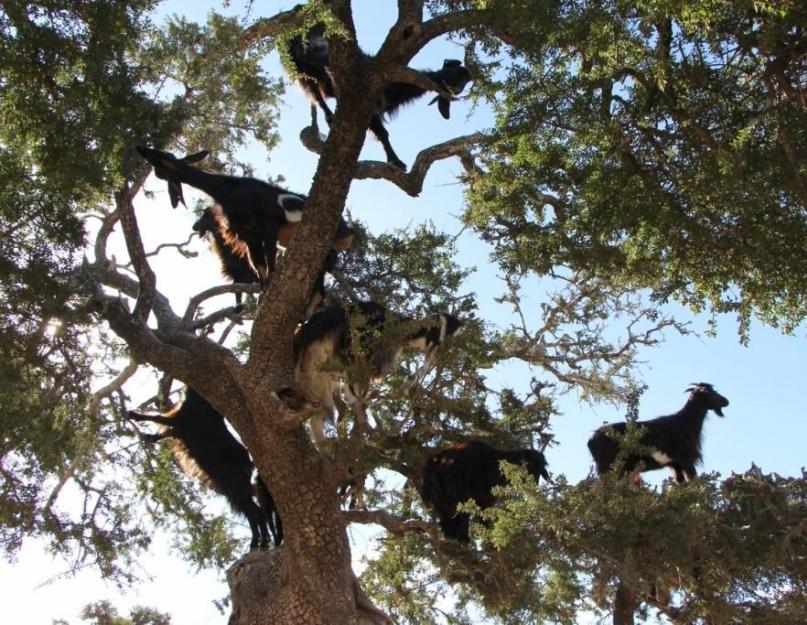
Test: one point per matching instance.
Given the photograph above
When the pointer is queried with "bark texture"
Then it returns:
(624, 604)
(309, 581)
(256, 578)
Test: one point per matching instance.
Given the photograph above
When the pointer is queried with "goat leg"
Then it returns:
(378, 129)
(153, 438)
(141, 416)
(257, 260)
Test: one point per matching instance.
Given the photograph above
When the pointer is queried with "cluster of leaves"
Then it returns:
(730, 552)
(639, 145)
(104, 613)
(657, 145)
(82, 83)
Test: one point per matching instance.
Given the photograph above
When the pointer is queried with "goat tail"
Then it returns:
(267, 506)
(604, 450)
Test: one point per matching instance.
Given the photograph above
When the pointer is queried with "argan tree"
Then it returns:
(643, 153)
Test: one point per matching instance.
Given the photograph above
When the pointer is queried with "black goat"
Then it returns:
(466, 471)
(325, 347)
(673, 441)
(259, 214)
(233, 255)
(267, 505)
(206, 449)
(231, 251)
(311, 59)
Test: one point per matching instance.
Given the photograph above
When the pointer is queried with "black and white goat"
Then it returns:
(311, 59)
(234, 256)
(671, 441)
(326, 350)
(206, 450)
(259, 214)
(466, 471)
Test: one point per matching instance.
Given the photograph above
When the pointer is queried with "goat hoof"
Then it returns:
(398, 164)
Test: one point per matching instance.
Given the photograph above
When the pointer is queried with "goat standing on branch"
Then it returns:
(327, 350)
(230, 250)
(262, 216)
(311, 60)
(672, 441)
(466, 471)
(234, 255)
(206, 449)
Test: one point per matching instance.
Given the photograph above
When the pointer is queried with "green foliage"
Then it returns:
(406, 269)
(81, 84)
(658, 145)
(104, 613)
(648, 147)
(732, 548)
(219, 114)
(177, 505)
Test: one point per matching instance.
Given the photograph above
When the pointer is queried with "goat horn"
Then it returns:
(175, 193)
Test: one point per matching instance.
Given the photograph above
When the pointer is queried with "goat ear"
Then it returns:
(443, 105)
(292, 206)
(195, 157)
(175, 193)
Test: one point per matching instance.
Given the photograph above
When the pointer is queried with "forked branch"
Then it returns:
(409, 182)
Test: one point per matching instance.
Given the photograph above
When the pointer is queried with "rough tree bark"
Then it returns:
(309, 580)
(624, 604)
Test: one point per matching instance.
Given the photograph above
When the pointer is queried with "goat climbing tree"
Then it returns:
(640, 154)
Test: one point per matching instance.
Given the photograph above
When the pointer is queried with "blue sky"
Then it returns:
(764, 423)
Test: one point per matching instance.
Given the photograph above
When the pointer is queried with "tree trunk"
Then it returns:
(624, 603)
(254, 582)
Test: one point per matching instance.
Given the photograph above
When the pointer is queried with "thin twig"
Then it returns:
(94, 410)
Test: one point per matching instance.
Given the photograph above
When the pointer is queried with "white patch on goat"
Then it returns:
(319, 380)
(443, 328)
(661, 457)
(294, 210)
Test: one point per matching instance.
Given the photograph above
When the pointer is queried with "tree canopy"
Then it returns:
(640, 154)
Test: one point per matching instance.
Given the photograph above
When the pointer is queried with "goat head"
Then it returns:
(166, 166)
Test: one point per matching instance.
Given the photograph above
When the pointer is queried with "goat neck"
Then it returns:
(694, 411)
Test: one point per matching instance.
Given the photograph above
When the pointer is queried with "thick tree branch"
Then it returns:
(222, 289)
(270, 27)
(137, 253)
(391, 523)
(287, 294)
(103, 274)
(172, 347)
(407, 39)
(404, 74)
(231, 312)
(410, 12)
(292, 406)
(410, 182)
